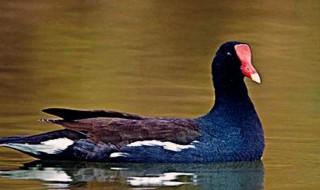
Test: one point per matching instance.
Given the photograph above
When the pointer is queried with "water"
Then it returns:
(153, 58)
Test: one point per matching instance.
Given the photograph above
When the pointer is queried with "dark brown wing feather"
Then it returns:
(70, 114)
(120, 131)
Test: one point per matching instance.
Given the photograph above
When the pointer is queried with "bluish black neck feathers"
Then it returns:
(228, 83)
(231, 94)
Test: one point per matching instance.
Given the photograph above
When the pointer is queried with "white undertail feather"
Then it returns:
(52, 146)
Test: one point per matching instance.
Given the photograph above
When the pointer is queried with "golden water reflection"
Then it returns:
(77, 175)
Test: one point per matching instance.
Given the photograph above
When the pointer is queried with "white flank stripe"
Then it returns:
(50, 146)
(118, 154)
(166, 145)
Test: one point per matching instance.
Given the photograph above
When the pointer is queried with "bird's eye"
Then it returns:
(228, 53)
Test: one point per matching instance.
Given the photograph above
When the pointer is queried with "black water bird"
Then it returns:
(231, 131)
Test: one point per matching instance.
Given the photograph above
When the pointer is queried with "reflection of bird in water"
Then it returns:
(69, 175)
(230, 132)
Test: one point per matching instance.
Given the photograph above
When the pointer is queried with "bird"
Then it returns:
(231, 131)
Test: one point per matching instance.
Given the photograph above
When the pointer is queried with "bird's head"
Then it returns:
(233, 62)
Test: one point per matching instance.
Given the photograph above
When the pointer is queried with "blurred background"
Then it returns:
(153, 57)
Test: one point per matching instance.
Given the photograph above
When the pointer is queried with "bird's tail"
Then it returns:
(42, 145)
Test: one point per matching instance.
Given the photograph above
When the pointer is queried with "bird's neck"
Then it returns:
(231, 98)
(230, 91)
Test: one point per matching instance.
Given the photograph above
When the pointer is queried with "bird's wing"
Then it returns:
(119, 131)
(70, 114)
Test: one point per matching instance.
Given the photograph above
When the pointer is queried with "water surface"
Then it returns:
(153, 58)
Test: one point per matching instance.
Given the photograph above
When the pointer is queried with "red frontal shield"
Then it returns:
(244, 54)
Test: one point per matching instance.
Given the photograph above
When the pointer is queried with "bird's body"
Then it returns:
(231, 131)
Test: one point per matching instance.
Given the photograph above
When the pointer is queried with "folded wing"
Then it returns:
(70, 114)
(121, 129)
